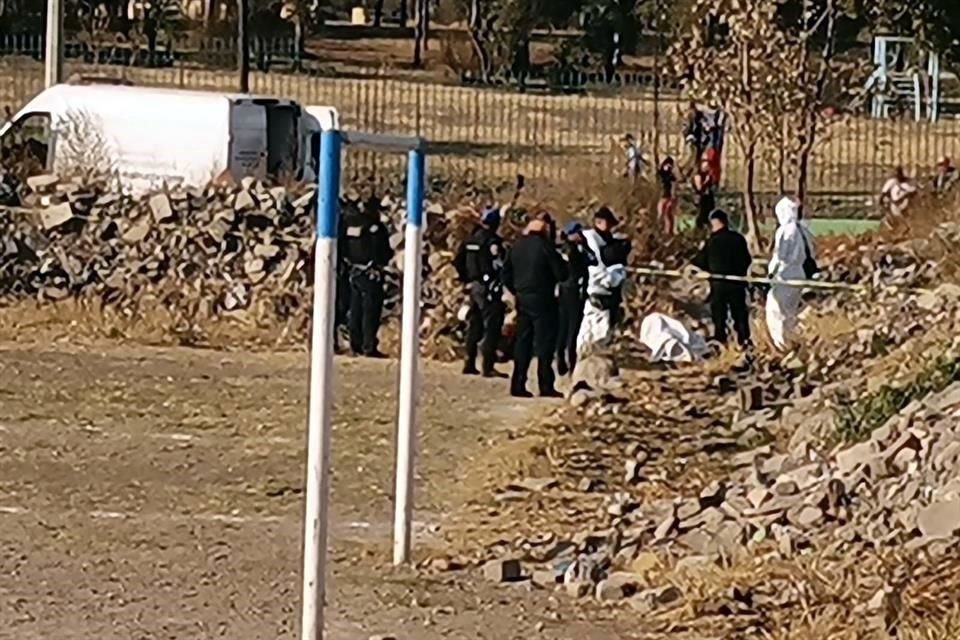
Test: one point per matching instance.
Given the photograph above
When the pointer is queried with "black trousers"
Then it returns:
(536, 334)
(484, 327)
(729, 301)
(366, 307)
(569, 317)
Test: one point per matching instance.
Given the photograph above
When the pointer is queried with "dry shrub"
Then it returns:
(457, 54)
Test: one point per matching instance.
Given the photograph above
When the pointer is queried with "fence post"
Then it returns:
(53, 54)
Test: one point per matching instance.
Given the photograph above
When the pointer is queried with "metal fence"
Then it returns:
(500, 131)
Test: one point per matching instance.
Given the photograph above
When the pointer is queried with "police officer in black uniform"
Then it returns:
(479, 263)
(365, 247)
(532, 270)
(573, 295)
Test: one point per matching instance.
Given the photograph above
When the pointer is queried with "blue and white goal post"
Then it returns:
(321, 360)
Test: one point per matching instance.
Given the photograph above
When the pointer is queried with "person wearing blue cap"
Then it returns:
(479, 263)
(573, 295)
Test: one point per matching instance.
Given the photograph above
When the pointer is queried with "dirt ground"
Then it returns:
(156, 493)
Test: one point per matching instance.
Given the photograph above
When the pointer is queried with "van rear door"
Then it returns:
(248, 139)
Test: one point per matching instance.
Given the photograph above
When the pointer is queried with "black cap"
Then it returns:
(604, 213)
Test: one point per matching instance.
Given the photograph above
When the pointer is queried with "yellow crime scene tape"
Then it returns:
(805, 284)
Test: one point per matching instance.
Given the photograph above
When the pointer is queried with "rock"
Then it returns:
(137, 233)
(805, 517)
(666, 527)
(633, 471)
(644, 563)
(656, 599)
(547, 578)
(383, 637)
(533, 484)
(245, 201)
(785, 487)
(758, 496)
(751, 398)
(42, 183)
(859, 454)
(940, 519)
(160, 208)
(503, 570)
(56, 216)
(593, 373)
(577, 589)
(586, 485)
(712, 495)
(616, 587)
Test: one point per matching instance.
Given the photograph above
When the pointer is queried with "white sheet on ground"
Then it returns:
(789, 253)
(670, 341)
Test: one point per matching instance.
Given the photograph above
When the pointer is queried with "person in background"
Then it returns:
(365, 245)
(666, 206)
(631, 152)
(793, 251)
(479, 263)
(897, 193)
(695, 134)
(946, 176)
(573, 295)
(531, 272)
(706, 190)
(726, 253)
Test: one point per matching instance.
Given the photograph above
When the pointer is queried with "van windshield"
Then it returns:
(25, 144)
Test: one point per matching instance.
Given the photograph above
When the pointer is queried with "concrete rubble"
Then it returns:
(240, 252)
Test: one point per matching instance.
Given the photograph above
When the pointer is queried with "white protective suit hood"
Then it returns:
(788, 212)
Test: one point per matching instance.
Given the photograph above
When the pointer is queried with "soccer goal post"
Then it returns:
(322, 361)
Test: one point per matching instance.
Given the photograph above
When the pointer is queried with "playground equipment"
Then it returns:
(897, 83)
(321, 361)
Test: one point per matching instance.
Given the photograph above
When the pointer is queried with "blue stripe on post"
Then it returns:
(416, 180)
(328, 186)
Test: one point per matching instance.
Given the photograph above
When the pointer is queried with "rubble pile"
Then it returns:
(224, 252)
(844, 453)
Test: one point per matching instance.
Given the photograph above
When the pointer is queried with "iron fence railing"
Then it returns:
(556, 128)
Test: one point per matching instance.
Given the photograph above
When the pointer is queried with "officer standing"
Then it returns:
(479, 263)
(532, 270)
(365, 246)
(726, 253)
(573, 295)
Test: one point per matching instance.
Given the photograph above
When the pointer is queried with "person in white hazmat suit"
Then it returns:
(606, 274)
(793, 248)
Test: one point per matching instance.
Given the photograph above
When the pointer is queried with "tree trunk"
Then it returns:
(810, 135)
(750, 231)
(378, 13)
(475, 29)
(212, 14)
(422, 20)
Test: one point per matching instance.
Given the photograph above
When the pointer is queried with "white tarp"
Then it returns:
(670, 341)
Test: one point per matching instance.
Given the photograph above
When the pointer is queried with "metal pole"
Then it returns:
(53, 55)
(321, 389)
(409, 359)
(243, 44)
(656, 85)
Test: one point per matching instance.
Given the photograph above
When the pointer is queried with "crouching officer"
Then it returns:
(365, 246)
(479, 263)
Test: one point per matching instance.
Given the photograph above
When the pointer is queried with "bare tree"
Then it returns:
(736, 55)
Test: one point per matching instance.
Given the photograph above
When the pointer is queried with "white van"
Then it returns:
(153, 137)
